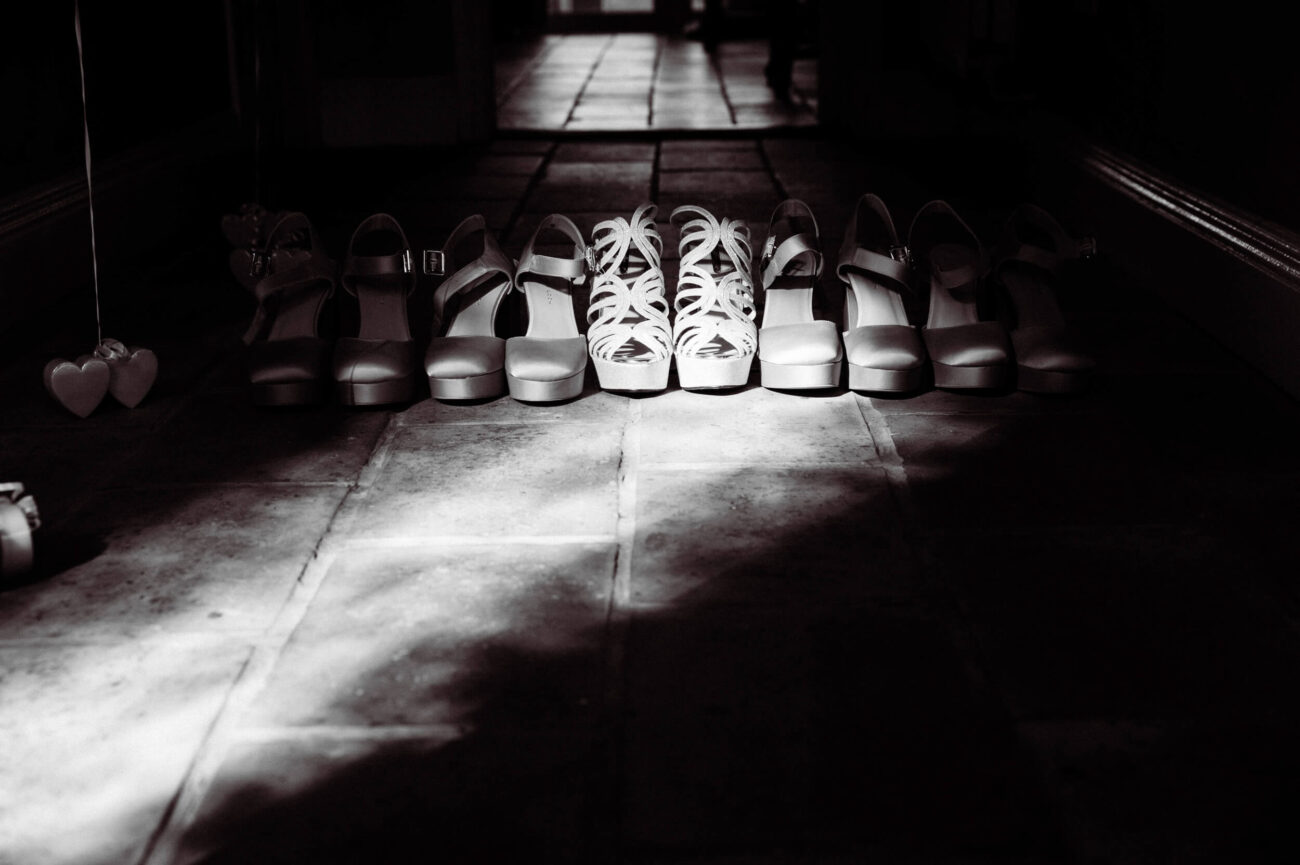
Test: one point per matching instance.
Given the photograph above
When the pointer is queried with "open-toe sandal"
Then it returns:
(796, 351)
(465, 358)
(288, 356)
(380, 364)
(1030, 266)
(628, 334)
(548, 363)
(714, 334)
(966, 351)
(884, 350)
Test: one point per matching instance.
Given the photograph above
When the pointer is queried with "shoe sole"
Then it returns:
(778, 376)
(623, 376)
(865, 378)
(525, 390)
(288, 393)
(483, 386)
(1051, 381)
(971, 377)
(377, 393)
(694, 373)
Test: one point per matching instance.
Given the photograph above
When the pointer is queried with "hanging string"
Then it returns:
(257, 103)
(90, 192)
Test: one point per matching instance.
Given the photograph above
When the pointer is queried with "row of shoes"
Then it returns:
(711, 331)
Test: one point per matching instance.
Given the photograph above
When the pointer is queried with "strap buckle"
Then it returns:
(769, 252)
(434, 262)
(1087, 247)
(901, 253)
(408, 265)
(589, 255)
(259, 262)
(14, 493)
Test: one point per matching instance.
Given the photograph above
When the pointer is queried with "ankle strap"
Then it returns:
(492, 263)
(575, 268)
(798, 248)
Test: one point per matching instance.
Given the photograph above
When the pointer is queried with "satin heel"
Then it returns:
(966, 352)
(795, 350)
(547, 363)
(465, 359)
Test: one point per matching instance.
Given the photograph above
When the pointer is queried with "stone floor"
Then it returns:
(628, 81)
(749, 627)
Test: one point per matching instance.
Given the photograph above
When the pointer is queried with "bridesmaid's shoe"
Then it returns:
(884, 350)
(379, 365)
(1029, 267)
(966, 352)
(466, 359)
(714, 335)
(548, 362)
(795, 350)
(288, 358)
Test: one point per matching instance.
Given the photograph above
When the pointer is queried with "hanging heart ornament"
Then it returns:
(131, 371)
(78, 385)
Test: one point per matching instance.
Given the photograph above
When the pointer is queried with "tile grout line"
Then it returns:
(619, 620)
(165, 843)
(650, 95)
(590, 75)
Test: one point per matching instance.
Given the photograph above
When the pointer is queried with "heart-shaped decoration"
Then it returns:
(78, 385)
(131, 371)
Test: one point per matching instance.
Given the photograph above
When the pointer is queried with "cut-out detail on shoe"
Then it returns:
(465, 358)
(629, 335)
(1029, 267)
(966, 352)
(380, 364)
(884, 350)
(548, 362)
(795, 350)
(288, 356)
(714, 334)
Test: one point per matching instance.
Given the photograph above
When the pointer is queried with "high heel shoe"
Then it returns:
(884, 350)
(548, 362)
(288, 359)
(1029, 266)
(795, 350)
(714, 335)
(465, 358)
(380, 364)
(966, 353)
(630, 339)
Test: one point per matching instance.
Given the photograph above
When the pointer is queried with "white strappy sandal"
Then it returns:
(629, 337)
(714, 334)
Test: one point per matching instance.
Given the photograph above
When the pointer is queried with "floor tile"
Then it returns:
(97, 740)
(752, 536)
(476, 798)
(754, 426)
(467, 637)
(170, 560)
(491, 480)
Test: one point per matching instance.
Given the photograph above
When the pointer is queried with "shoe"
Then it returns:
(714, 335)
(465, 358)
(1029, 266)
(628, 334)
(795, 350)
(884, 350)
(380, 365)
(288, 358)
(966, 353)
(548, 362)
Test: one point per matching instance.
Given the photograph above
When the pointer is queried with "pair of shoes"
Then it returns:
(712, 337)
(944, 261)
(290, 357)
(466, 359)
